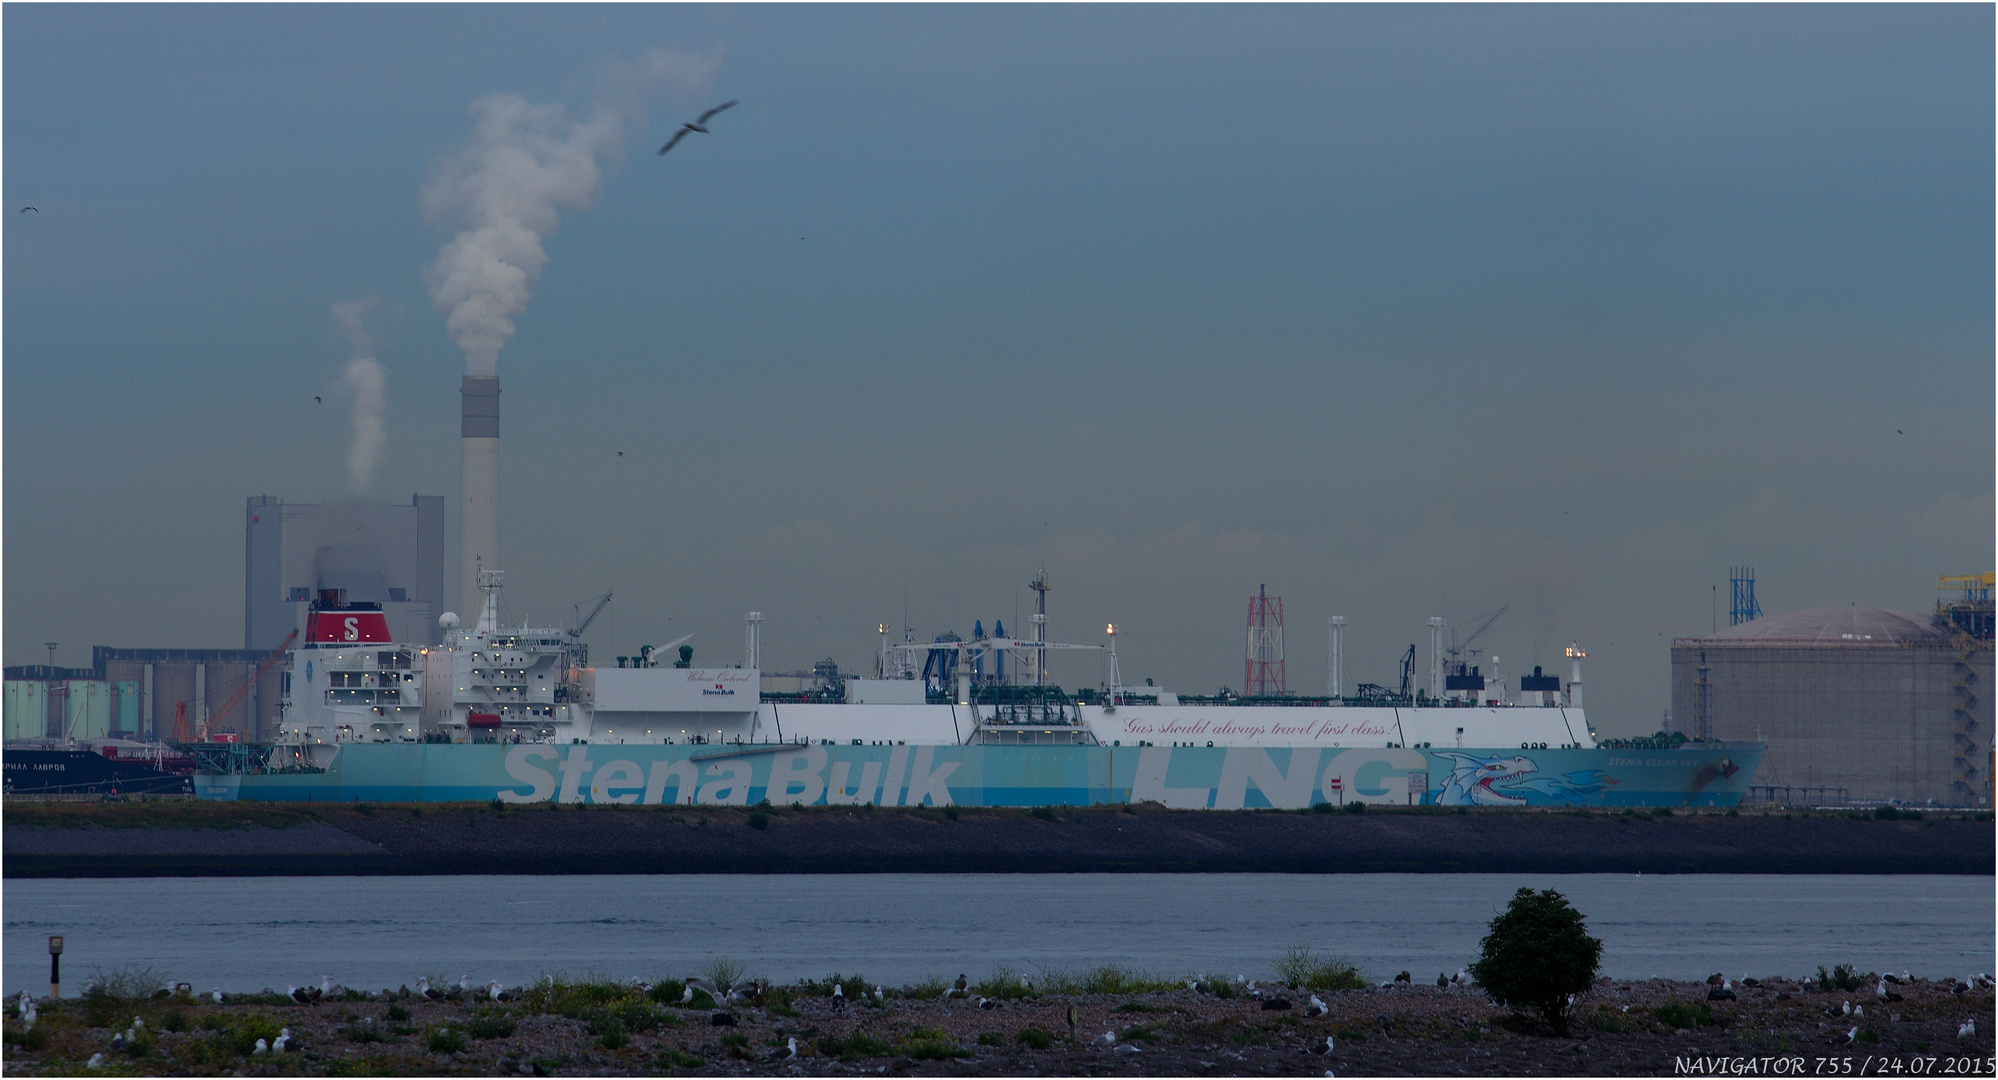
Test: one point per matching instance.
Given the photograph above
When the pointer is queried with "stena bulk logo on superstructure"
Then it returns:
(718, 691)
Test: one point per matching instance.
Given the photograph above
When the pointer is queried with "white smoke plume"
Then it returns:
(525, 162)
(369, 384)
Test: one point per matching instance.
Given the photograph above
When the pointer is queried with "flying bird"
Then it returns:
(699, 125)
(25, 209)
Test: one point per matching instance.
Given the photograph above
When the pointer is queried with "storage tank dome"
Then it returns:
(1837, 625)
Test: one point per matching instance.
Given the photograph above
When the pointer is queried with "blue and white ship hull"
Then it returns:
(900, 774)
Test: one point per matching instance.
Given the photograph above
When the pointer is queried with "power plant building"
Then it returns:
(1862, 704)
(388, 554)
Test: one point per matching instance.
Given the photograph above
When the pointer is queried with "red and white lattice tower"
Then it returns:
(1262, 675)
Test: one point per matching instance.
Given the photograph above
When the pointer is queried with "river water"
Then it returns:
(373, 932)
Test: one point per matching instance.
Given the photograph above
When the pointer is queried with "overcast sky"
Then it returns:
(1401, 311)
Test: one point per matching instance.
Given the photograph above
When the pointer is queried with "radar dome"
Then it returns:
(448, 621)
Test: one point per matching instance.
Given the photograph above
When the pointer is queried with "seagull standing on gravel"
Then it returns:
(1108, 1038)
(880, 997)
(839, 996)
(1851, 1035)
(1967, 1030)
(790, 1051)
(1323, 1048)
(1314, 1007)
(96, 1062)
(260, 1049)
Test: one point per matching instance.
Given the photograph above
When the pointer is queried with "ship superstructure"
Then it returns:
(348, 681)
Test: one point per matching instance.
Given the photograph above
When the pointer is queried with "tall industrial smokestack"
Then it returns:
(478, 505)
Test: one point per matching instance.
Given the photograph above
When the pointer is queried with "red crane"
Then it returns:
(236, 696)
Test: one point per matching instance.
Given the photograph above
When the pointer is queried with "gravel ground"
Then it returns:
(1779, 1027)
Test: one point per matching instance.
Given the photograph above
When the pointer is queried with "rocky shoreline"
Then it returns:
(186, 839)
(1772, 1026)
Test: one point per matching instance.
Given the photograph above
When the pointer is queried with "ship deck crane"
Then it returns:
(1457, 650)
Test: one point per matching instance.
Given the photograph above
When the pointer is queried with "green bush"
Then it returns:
(174, 1020)
(1035, 1038)
(397, 1014)
(735, 1040)
(446, 1040)
(242, 1038)
(932, 986)
(490, 1026)
(759, 820)
(934, 1050)
(667, 991)
(1045, 813)
(1690, 1015)
(1841, 977)
(637, 1014)
(364, 1030)
(34, 1039)
(1356, 807)
(1302, 969)
(1537, 955)
(950, 813)
(724, 972)
(674, 1059)
(988, 1038)
(852, 1048)
(610, 1033)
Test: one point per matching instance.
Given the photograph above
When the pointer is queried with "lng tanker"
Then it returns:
(519, 715)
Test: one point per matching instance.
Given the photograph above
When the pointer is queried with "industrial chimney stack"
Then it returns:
(478, 506)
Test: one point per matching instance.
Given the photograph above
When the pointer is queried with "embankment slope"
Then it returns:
(250, 839)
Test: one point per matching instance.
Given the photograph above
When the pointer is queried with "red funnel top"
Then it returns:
(347, 628)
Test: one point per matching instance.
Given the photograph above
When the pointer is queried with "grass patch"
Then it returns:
(1302, 969)
(1117, 979)
(990, 1038)
(931, 987)
(1840, 977)
(667, 991)
(1138, 1033)
(572, 999)
(364, 1030)
(1137, 1007)
(397, 1015)
(854, 987)
(446, 1040)
(164, 814)
(1045, 813)
(1034, 1038)
(1004, 983)
(674, 1059)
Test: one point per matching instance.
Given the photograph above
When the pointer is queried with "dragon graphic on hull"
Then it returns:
(1470, 781)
